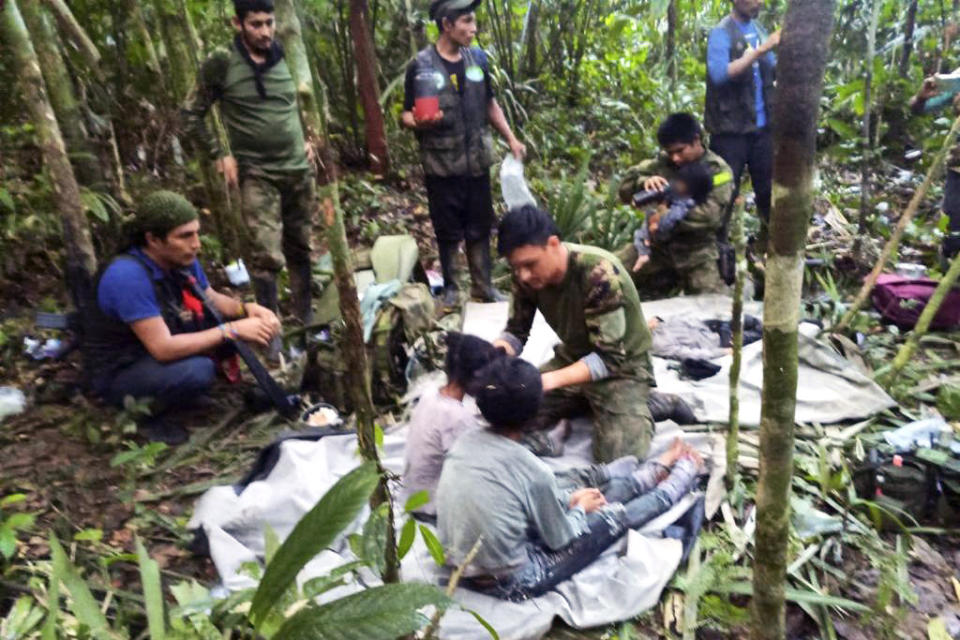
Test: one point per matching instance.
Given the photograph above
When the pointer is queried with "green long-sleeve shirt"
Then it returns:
(594, 310)
(265, 132)
(705, 219)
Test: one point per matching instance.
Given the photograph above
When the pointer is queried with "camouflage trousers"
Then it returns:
(622, 424)
(681, 269)
(278, 215)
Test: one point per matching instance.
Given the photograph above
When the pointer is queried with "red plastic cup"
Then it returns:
(426, 107)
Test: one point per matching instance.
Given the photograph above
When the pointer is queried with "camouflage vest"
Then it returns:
(460, 144)
(731, 107)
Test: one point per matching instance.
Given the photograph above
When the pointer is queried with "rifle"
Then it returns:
(288, 405)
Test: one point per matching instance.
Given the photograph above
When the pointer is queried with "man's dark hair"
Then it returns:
(679, 127)
(452, 16)
(526, 225)
(243, 7)
(508, 392)
(466, 355)
(697, 177)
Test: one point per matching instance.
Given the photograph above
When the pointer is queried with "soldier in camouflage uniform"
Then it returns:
(258, 102)
(688, 261)
(930, 100)
(602, 364)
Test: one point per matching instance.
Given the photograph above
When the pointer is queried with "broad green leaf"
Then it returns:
(433, 545)
(374, 540)
(152, 592)
(93, 535)
(407, 536)
(316, 530)
(270, 543)
(937, 629)
(53, 605)
(21, 619)
(13, 498)
(416, 501)
(380, 613)
(84, 605)
(19, 521)
(336, 578)
(7, 200)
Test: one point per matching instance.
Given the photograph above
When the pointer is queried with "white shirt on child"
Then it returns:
(435, 424)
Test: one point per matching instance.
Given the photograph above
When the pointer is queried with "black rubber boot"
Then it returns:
(478, 257)
(448, 258)
(300, 287)
(265, 290)
(667, 406)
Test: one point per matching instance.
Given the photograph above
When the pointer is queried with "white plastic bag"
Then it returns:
(513, 186)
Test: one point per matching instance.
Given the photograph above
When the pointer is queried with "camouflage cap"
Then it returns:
(442, 8)
(162, 211)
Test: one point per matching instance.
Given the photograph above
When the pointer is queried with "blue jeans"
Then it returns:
(168, 383)
(545, 568)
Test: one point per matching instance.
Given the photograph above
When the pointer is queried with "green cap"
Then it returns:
(163, 211)
(441, 8)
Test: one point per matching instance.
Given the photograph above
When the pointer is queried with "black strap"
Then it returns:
(274, 55)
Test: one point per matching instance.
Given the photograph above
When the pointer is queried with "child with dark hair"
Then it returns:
(689, 188)
(440, 416)
(534, 535)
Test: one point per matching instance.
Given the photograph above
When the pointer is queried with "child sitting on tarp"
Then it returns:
(689, 188)
(535, 535)
(440, 416)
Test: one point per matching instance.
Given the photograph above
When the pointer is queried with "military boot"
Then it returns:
(478, 257)
(265, 290)
(300, 287)
(448, 257)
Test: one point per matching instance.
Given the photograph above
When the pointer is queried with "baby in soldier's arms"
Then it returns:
(689, 188)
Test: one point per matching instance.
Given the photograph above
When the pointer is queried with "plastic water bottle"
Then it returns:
(513, 185)
(426, 99)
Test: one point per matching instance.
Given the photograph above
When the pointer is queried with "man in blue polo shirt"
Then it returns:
(147, 336)
(741, 69)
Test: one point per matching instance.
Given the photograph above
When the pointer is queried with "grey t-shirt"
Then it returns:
(435, 424)
(496, 488)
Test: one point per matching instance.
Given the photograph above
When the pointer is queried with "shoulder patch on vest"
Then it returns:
(722, 178)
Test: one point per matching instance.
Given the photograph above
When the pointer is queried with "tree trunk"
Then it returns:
(672, 43)
(366, 59)
(353, 346)
(802, 61)
(69, 25)
(180, 55)
(736, 328)
(61, 93)
(81, 259)
(530, 66)
(909, 26)
(135, 13)
(867, 146)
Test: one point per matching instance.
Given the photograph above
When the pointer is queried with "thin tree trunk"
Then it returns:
(909, 26)
(867, 146)
(81, 259)
(135, 13)
(68, 23)
(802, 62)
(736, 328)
(926, 317)
(893, 243)
(530, 40)
(61, 93)
(366, 60)
(353, 346)
(672, 43)
(180, 56)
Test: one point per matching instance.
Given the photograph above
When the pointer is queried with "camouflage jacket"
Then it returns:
(595, 310)
(703, 221)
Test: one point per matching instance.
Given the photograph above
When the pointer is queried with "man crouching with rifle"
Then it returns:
(146, 335)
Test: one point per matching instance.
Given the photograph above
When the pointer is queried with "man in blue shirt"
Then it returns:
(930, 99)
(740, 81)
(146, 336)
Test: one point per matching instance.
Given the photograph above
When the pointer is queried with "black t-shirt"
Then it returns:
(456, 71)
